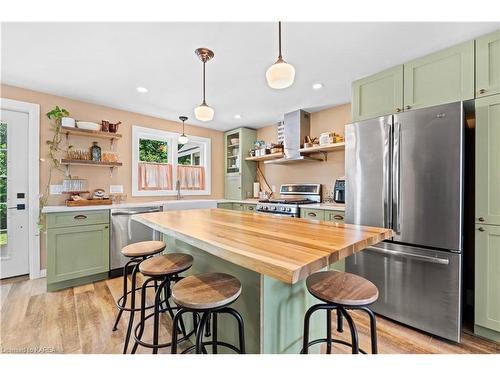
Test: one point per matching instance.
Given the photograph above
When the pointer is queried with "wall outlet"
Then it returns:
(115, 189)
(55, 189)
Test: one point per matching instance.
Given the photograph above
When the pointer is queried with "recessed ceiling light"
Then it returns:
(317, 86)
(141, 89)
(237, 116)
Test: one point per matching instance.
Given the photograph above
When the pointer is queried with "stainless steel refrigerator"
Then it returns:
(405, 172)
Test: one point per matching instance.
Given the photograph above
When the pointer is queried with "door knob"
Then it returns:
(408, 107)
(482, 91)
(398, 110)
(481, 229)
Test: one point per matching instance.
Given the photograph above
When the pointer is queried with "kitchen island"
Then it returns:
(271, 256)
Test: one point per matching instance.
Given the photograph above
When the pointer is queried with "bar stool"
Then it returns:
(164, 269)
(137, 252)
(340, 291)
(209, 295)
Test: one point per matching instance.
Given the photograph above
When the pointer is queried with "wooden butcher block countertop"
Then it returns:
(288, 249)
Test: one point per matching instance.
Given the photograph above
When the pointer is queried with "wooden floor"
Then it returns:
(79, 320)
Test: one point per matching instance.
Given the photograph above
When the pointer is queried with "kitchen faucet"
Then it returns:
(178, 188)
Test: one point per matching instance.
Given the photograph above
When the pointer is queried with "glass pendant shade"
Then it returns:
(183, 139)
(204, 113)
(280, 75)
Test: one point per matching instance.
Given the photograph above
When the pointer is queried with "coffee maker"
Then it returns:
(339, 190)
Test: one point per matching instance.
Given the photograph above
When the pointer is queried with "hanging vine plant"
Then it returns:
(54, 153)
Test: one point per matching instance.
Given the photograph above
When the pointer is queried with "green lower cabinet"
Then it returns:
(77, 254)
(311, 213)
(250, 207)
(377, 95)
(238, 206)
(336, 216)
(226, 206)
(488, 65)
(232, 187)
(487, 281)
(442, 77)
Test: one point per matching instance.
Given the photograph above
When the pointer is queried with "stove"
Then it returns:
(291, 197)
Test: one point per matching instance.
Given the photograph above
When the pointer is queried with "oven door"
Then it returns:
(419, 287)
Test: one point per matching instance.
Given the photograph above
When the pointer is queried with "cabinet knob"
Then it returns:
(408, 107)
(482, 91)
(106, 227)
(481, 229)
(79, 217)
(398, 110)
(481, 219)
(312, 214)
(338, 217)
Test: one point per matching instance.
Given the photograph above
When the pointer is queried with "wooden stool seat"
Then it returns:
(166, 264)
(206, 291)
(342, 288)
(144, 248)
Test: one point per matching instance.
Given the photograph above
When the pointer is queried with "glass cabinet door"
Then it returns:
(233, 162)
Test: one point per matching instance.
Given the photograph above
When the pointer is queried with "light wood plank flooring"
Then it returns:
(79, 320)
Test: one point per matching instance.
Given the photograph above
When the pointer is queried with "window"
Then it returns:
(159, 162)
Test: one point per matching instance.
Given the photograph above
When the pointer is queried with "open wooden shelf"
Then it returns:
(328, 148)
(277, 155)
(90, 133)
(90, 163)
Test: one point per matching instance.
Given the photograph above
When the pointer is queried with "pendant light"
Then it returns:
(280, 75)
(183, 139)
(203, 112)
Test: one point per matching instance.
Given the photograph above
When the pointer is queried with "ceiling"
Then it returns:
(103, 63)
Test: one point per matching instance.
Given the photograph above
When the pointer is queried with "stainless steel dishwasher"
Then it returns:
(125, 231)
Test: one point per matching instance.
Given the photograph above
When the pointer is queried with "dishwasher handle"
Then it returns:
(129, 213)
(423, 258)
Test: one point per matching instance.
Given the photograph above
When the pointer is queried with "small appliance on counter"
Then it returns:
(339, 190)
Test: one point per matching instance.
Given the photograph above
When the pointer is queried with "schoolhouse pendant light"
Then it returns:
(280, 75)
(204, 112)
(183, 139)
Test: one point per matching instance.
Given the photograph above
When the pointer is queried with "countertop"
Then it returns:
(171, 204)
(288, 249)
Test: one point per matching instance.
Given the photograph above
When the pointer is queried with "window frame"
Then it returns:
(171, 138)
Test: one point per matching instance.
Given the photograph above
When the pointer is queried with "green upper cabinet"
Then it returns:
(239, 173)
(488, 65)
(487, 278)
(488, 160)
(377, 95)
(442, 77)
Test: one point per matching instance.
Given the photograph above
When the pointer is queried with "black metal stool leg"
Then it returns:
(340, 322)
(241, 326)
(328, 331)
(156, 317)
(200, 331)
(373, 328)
(305, 337)
(143, 313)
(132, 307)
(125, 290)
(214, 333)
(352, 328)
(175, 322)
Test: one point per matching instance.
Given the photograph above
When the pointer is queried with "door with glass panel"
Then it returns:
(14, 251)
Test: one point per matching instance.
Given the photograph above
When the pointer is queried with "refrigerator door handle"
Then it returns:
(387, 175)
(423, 258)
(396, 171)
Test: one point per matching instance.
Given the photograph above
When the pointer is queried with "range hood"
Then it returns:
(297, 125)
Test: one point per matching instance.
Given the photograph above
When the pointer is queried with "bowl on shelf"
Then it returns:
(85, 125)
(235, 141)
